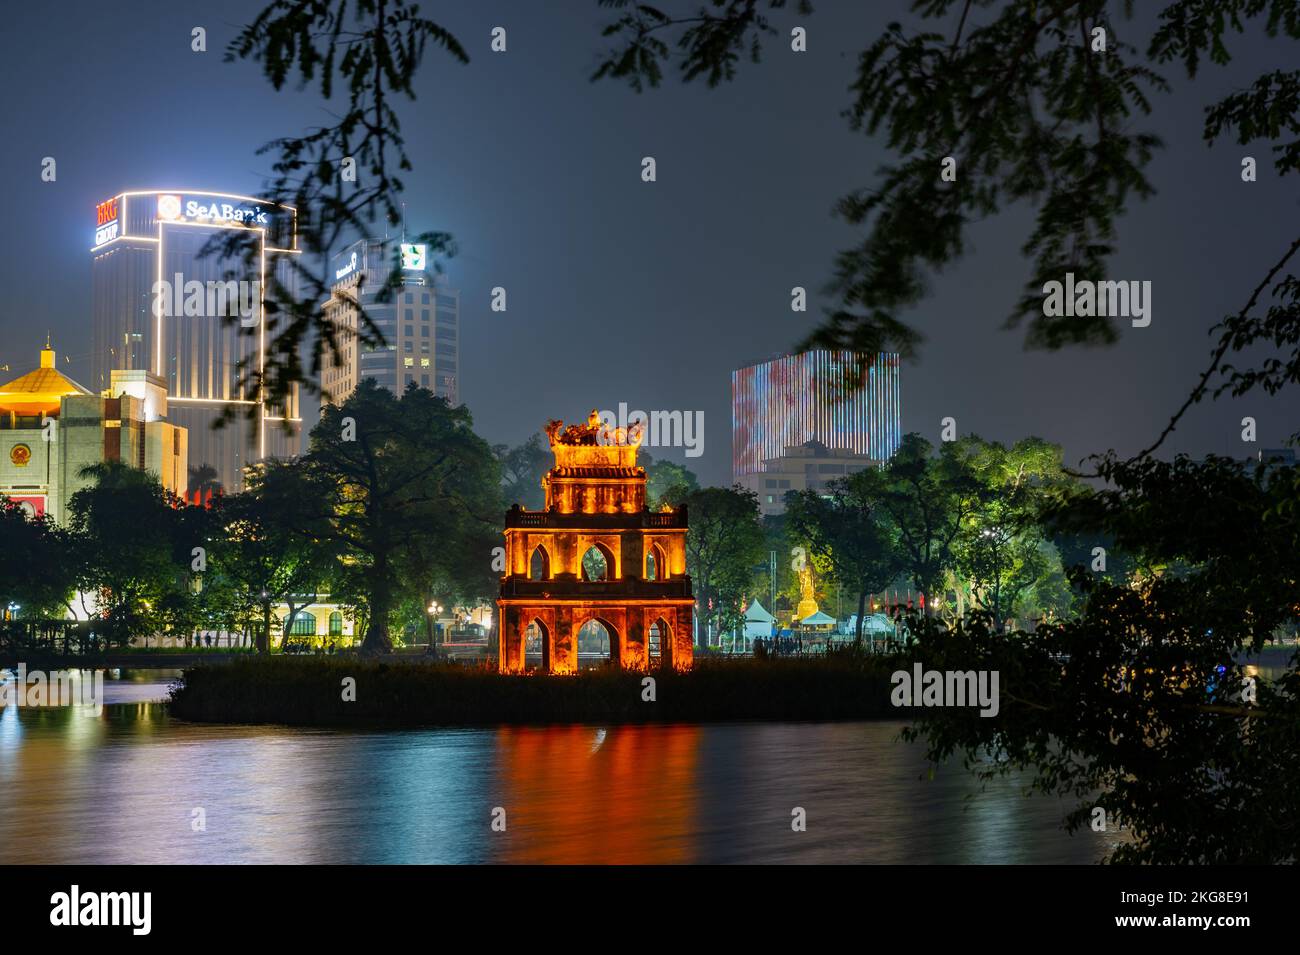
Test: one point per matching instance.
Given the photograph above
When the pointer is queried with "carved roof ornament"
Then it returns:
(594, 451)
(594, 432)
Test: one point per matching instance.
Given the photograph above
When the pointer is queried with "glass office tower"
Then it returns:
(165, 302)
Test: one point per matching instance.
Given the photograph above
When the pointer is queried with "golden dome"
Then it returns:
(38, 392)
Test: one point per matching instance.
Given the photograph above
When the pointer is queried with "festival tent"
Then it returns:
(874, 626)
(818, 621)
(758, 622)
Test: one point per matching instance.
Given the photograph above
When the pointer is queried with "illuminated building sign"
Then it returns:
(106, 229)
(138, 215)
(226, 212)
(413, 257)
(169, 207)
(172, 207)
(106, 212)
(347, 269)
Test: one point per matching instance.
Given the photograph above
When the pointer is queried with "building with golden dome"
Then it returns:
(51, 428)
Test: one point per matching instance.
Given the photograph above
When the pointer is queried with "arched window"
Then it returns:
(596, 564)
(656, 638)
(539, 565)
(656, 564)
(336, 624)
(304, 625)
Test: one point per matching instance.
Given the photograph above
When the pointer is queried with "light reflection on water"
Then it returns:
(121, 788)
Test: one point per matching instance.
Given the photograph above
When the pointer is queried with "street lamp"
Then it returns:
(433, 609)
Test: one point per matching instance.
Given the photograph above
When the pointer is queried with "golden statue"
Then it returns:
(808, 601)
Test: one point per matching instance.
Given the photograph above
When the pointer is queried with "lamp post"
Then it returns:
(433, 610)
(266, 624)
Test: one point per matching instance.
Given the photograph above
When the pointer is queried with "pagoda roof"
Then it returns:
(39, 391)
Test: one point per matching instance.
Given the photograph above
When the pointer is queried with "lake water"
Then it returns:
(124, 787)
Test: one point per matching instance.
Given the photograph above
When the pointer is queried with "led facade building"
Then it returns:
(802, 406)
(420, 322)
(194, 330)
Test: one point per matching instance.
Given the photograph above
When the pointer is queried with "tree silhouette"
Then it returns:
(1019, 95)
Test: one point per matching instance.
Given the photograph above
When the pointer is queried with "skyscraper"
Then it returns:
(420, 323)
(162, 306)
(801, 420)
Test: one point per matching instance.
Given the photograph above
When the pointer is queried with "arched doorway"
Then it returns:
(597, 643)
(537, 646)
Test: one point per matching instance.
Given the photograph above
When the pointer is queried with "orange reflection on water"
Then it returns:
(583, 794)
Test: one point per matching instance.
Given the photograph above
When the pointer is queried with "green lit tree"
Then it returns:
(724, 544)
(849, 528)
(125, 529)
(663, 476)
(274, 547)
(1142, 704)
(38, 565)
(1003, 551)
(400, 475)
(522, 469)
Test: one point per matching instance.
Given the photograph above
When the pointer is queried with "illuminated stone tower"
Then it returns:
(596, 554)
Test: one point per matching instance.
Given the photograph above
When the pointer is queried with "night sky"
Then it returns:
(621, 290)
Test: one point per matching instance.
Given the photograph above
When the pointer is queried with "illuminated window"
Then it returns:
(424, 363)
(656, 637)
(596, 564)
(408, 362)
(539, 565)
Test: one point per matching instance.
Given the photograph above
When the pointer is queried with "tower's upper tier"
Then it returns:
(595, 469)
